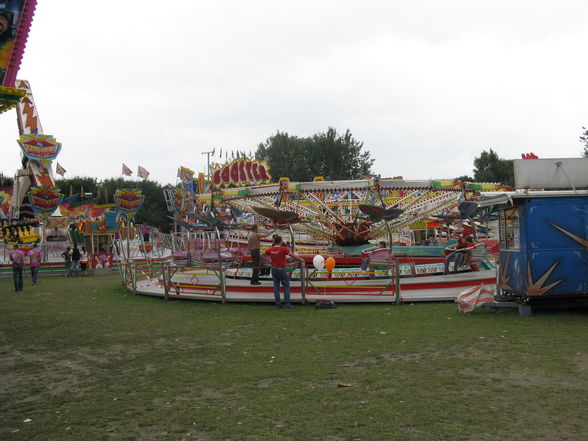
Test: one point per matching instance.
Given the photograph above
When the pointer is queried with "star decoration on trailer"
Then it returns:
(571, 235)
(537, 288)
(504, 277)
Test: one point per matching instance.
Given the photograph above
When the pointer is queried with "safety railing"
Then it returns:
(170, 280)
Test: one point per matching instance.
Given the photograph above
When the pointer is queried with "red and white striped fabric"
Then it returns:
(474, 297)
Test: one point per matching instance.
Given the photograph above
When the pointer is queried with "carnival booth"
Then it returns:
(544, 233)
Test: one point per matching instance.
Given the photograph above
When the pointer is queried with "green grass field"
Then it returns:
(82, 359)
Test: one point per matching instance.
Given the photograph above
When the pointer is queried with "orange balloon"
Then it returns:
(330, 264)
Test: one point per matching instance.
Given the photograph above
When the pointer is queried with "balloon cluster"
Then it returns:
(320, 262)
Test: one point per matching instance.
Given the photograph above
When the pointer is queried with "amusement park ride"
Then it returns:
(336, 219)
(206, 257)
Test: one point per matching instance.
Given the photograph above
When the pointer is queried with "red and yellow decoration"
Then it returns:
(180, 200)
(42, 148)
(240, 172)
(128, 200)
(45, 200)
(10, 97)
(5, 199)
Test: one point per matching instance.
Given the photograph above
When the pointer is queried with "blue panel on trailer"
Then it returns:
(550, 222)
(556, 273)
(545, 251)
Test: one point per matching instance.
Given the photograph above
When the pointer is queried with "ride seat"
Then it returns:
(381, 260)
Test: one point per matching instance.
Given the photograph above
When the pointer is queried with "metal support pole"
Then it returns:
(128, 236)
(221, 272)
(123, 273)
(208, 163)
(397, 280)
(223, 284)
(189, 259)
(293, 244)
(134, 278)
(303, 281)
(165, 275)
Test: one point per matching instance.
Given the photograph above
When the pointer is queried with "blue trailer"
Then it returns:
(543, 245)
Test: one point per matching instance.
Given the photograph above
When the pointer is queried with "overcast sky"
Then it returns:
(425, 85)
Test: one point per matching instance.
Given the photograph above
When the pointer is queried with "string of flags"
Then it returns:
(234, 154)
(141, 172)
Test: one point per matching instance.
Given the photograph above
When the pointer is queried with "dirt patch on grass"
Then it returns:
(581, 360)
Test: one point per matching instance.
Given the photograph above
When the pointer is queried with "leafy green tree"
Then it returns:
(153, 211)
(77, 185)
(584, 140)
(328, 154)
(286, 156)
(5, 181)
(488, 167)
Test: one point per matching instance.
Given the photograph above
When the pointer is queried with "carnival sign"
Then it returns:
(42, 148)
(128, 201)
(185, 174)
(240, 172)
(45, 200)
(179, 200)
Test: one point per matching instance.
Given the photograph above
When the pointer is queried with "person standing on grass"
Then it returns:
(254, 250)
(278, 254)
(84, 261)
(17, 257)
(67, 260)
(35, 258)
(75, 260)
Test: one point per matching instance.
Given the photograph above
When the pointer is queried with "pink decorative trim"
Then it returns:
(20, 42)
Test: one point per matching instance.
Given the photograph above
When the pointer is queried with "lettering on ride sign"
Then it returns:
(240, 172)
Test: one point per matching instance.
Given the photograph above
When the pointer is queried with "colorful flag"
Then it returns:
(60, 170)
(185, 174)
(126, 171)
(213, 150)
(474, 297)
(142, 173)
(220, 153)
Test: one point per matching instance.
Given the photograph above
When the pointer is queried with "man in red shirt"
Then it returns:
(17, 258)
(278, 254)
